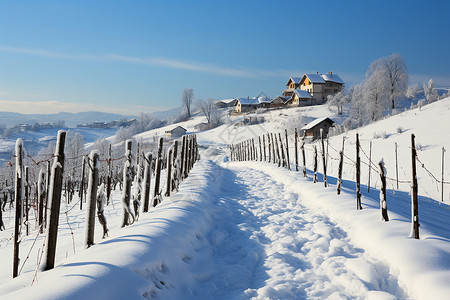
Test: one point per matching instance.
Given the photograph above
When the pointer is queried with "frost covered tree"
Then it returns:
(396, 73)
(186, 101)
(211, 111)
(357, 107)
(338, 100)
(375, 94)
(412, 91)
(430, 92)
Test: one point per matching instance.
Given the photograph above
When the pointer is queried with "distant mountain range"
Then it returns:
(74, 119)
(71, 119)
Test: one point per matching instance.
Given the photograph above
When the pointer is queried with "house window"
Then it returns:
(335, 90)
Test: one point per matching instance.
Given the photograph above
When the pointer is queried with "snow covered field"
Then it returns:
(239, 230)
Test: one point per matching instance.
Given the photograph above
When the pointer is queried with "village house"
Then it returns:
(242, 105)
(176, 132)
(227, 103)
(312, 129)
(318, 86)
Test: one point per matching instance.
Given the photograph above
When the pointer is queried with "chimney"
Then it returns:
(317, 72)
(331, 73)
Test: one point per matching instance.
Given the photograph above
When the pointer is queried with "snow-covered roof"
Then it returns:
(227, 101)
(176, 128)
(332, 77)
(302, 94)
(248, 101)
(315, 122)
(315, 78)
(281, 99)
(264, 100)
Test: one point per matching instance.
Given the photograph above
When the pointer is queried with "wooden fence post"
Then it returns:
(54, 202)
(81, 194)
(264, 145)
(273, 148)
(186, 157)
(358, 175)
(323, 159)
(183, 150)
(146, 181)
(108, 180)
(269, 146)
(127, 179)
(315, 164)
(260, 148)
(169, 173)
(383, 203)
(415, 207)
(255, 154)
(41, 199)
(296, 148)
(92, 198)
(396, 163)
(18, 193)
(442, 178)
(174, 184)
(283, 155)
(288, 163)
(341, 166)
(370, 166)
(27, 191)
(47, 200)
(304, 156)
(278, 151)
(156, 191)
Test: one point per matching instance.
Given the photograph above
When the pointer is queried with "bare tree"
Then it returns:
(211, 111)
(186, 99)
(338, 100)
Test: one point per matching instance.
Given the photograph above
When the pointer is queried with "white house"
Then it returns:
(176, 132)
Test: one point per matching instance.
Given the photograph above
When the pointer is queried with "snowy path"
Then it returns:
(285, 250)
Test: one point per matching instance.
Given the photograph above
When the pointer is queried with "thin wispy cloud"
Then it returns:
(154, 61)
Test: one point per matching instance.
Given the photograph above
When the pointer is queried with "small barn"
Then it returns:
(227, 103)
(302, 98)
(242, 105)
(176, 132)
(312, 129)
(281, 101)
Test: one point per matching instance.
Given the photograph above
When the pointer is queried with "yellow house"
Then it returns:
(318, 86)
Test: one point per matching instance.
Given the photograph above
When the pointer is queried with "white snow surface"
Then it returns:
(239, 230)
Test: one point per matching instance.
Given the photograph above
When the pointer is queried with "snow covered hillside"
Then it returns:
(240, 230)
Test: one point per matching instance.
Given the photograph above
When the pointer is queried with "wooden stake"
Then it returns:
(304, 156)
(358, 175)
(370, 166)
(296, 149)
(18, 193)
(92, 198)
(156, 191)
(323, 159)
(442, 178)
(127, 179)
(341, 166)
(383, 203)
(415, 206)
(315, 164)
(146, 181)
(396, 164)
(54, 202)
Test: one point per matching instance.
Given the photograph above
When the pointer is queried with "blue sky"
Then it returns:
(132, 56)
